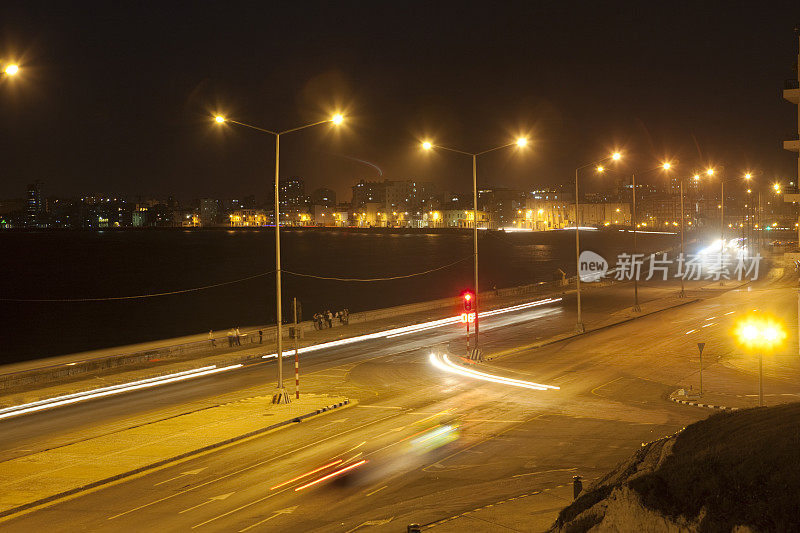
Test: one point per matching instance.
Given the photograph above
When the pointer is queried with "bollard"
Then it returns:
(413, 528)
(577, 486)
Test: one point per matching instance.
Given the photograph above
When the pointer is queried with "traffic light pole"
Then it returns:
(475, 244)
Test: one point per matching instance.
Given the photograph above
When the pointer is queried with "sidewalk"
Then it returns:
(58, 472)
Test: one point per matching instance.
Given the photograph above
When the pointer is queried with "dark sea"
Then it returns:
(115, 263)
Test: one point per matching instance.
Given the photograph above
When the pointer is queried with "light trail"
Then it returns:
(59, 401)
(442, 362)
(415, 328)
(301, 476)
(331, 475)
(68, 399)
(690, 331)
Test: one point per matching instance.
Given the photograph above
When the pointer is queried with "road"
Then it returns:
(613, 386)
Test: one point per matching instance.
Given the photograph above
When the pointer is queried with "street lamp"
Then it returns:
(428, 145)
(760, 333)
(11, 69)
(616, 156)
(280, 396)
(663, 166)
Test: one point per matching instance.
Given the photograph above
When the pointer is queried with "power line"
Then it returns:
(138, 296)
(206, 287)
(365, 280)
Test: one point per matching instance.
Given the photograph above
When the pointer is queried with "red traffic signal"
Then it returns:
(468, 299)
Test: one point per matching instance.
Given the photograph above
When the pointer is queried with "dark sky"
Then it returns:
(115, 97)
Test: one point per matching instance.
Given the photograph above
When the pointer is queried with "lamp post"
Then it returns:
(281, 395)
(428, 145)
(760, 332)
(636, 307)
(579, 327)
(682, 294)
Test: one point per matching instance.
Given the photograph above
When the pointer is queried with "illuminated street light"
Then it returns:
(616, 156)
(280, 396)
(748, 175)
(759, 333)
(666, 166)
(710, 171)
(428, 145)
(11, 70)
(600, 168)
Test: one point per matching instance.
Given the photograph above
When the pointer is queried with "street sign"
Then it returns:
(700, 346)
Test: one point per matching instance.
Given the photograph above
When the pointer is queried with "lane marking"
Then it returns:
(287, 510)
(212, 499)
(376, 490)
(187, 473)
(545, 472)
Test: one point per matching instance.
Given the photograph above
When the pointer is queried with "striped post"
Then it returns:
(296, 356)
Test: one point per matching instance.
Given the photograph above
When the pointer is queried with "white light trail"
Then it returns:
(443, 363)
(415, 328)
(58, 401)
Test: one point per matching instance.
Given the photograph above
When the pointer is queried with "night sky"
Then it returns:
(116, 98)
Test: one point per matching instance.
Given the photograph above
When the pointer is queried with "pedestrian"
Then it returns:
(212, 339)
(260, 336)
(329, 317)
(238, 337)
(346, 316)
(230, 337)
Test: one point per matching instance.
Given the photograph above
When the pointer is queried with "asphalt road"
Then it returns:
(46, 429)
(505, 440)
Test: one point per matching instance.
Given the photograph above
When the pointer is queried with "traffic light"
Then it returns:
(468, 299)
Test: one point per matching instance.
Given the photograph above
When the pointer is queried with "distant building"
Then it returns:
(245, 218)
(293, 197)
(35, 204)
(209, 211)
(501, 204)
(323, 197)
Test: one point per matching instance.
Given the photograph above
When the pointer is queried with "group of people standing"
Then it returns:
(234, 337)
(325, 318)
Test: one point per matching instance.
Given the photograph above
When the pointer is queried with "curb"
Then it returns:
(705, 405)
(54, 497)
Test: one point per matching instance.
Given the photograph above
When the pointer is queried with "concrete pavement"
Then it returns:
(58, 472)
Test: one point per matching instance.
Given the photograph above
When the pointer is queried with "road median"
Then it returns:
(44, 477)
